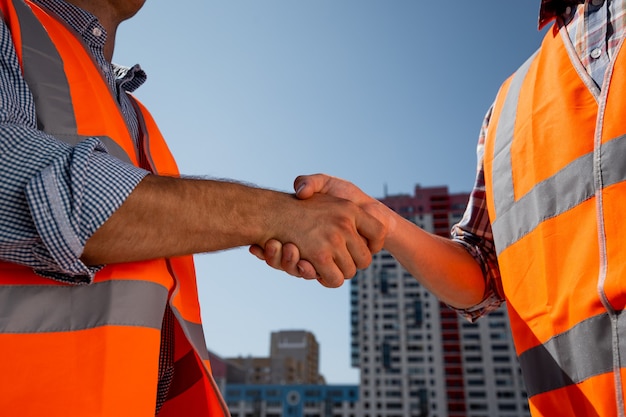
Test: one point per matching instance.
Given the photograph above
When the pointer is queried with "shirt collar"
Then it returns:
(129, 79)
(550, 9)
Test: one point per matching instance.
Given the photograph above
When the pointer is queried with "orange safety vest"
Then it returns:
(555, 175)
(93, 350)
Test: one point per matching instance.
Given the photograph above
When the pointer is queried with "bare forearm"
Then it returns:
(166, 217)
(440, 264)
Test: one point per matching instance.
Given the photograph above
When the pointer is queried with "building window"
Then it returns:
(507, 407)
(506, 394)
(475, 382)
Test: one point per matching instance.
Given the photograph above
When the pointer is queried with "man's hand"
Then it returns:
(308, 185)
(334, 235)
(287, 256)
(166, 217)
(443, 266)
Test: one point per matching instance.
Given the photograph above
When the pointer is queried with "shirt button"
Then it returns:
(597, 2)
(568, 10)
(97, 32)
(595, 53)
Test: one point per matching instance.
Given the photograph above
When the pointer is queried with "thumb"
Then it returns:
(307, 185)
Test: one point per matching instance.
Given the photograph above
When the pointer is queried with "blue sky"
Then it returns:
(385, 93)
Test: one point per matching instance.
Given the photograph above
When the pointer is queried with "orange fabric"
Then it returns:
(70, 374)
(183, 296)
(108, 370)
(546, 305)
(550, 276)
(542, 157)
(155, 147)
(13, 274)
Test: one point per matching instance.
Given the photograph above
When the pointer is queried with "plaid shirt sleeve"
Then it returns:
(53, 196)
(474, 233)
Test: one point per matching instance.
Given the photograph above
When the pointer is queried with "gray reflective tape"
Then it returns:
(613, 161)
(43, 70)
(563, 191)
(194, 333)
(44, 73)
(55, 308)
(547, 199)
(572, 357)
(502, 171)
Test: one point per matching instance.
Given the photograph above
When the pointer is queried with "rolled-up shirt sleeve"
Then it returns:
(474, 233)
(53, 196)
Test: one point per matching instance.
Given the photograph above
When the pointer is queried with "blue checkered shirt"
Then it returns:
(55, 196)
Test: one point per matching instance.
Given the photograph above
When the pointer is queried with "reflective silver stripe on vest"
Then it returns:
(566, 189)
(504, 197)
(52, 308)
(194, 333)
(582, 352)
(502, 169)
(45, 76)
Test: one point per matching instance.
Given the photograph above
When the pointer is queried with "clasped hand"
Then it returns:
(290, 257)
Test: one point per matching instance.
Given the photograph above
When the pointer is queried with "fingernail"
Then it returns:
(301, 187)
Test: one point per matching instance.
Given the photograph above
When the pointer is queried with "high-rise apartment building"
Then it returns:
(416, 356)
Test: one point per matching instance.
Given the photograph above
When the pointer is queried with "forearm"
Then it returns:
(443, 266)
(166, 217)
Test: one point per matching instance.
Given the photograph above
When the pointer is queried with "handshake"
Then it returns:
(339, 228)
